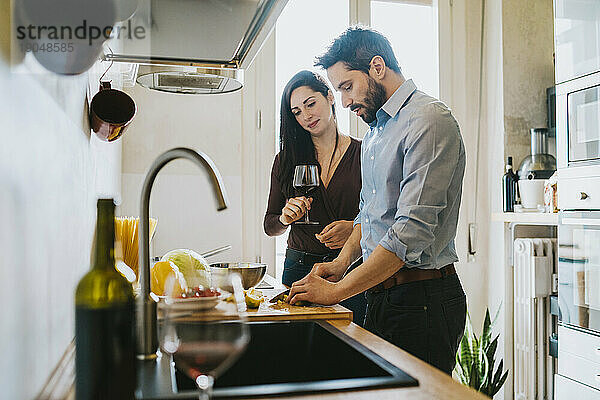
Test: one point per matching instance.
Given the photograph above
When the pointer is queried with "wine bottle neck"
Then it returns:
(105, 236)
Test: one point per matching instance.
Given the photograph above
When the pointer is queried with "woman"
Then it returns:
(309, 135)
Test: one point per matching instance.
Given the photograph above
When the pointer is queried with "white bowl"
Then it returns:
(190, 304)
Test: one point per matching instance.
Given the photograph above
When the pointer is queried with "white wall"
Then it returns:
(50, 171)
(515, 74)
(460, 33)
(528, 69)
(182, 198)
(225, 127)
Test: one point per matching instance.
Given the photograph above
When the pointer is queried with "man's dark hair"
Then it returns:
(356, 47)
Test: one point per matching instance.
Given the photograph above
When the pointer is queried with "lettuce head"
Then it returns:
(192, 265)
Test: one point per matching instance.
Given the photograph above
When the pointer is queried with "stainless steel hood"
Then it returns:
(194, 46)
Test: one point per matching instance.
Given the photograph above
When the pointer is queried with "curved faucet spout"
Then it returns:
(147, 334)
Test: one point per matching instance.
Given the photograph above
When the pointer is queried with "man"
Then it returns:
(413, 162)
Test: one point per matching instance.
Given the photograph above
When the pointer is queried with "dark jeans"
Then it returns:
(294, 271)
(425, 318)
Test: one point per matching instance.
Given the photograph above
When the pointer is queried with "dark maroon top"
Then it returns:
(338, 202)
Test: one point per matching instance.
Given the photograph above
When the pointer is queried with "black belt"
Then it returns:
(407, 275)
(309, 258)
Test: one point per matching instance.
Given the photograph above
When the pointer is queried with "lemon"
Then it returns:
(253, 298)
(162, 272)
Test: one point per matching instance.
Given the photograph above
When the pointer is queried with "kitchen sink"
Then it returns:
(282, 358)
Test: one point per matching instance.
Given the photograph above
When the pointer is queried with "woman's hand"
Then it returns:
(294, 209)
(335, 234)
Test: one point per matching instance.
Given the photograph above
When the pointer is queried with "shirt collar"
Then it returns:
(397, 100)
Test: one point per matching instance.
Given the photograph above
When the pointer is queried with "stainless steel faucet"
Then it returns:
(146, 327)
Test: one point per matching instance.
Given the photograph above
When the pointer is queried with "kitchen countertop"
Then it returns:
(274, 312)
(433, 383)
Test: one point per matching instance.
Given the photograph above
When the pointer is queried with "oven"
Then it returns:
(579, 269)
(578, 126)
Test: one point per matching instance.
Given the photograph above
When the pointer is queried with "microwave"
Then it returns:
(578, 125)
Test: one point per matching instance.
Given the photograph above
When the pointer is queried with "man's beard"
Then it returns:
(374, 99)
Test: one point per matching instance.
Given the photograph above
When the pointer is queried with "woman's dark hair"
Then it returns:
(356, 47)
(295, 142)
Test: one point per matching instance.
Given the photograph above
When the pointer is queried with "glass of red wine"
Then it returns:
(205, 348)
(306, 179)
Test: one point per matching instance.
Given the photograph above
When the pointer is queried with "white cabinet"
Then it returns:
(579, 356)
(579, 193)
(567, 389)
(576, 38)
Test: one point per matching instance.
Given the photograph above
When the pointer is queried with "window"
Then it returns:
(303, 31)
(411, 27)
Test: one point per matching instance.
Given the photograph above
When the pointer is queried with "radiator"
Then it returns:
(532, 369)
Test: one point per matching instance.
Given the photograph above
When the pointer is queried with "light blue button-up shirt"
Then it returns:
(413, 162)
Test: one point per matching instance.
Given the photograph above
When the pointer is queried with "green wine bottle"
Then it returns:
(104, 321)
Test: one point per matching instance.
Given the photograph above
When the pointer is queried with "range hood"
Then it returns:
(194, 46)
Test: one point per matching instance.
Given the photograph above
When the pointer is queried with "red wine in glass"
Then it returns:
(306, 179)
(206, 358)
(305, 190)
(205, 348)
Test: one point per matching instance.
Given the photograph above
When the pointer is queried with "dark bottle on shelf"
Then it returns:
(104, 321)
(509, 187)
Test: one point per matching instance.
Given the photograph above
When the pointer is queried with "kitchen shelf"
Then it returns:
(527, 218)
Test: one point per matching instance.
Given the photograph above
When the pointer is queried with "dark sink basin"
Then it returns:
(283, 358)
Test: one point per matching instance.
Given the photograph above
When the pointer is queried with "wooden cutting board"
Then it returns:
(272, 312)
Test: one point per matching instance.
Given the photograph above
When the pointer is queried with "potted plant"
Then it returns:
(475, 359)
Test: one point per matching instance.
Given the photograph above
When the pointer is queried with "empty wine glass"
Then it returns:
(206, 347)
(306, 179)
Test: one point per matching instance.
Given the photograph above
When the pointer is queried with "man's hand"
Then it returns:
(331, 271)
(294, 209)
(317, 287)
(314, 289)
(335, 234)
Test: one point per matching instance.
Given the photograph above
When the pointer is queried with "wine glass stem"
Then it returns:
(205, 386)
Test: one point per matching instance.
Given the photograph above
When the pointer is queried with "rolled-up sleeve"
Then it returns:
(361, 202)
(272, 225)
(432, 152)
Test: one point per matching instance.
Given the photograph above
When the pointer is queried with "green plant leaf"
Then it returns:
(498, 373)
(487, 328)
(497, 314)
(483, 367)
(468, 345)
(474, 377)
(475, 360)
(491, 350)
(497, 387)
(458, 369)
(490, 354)
(466, 353)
